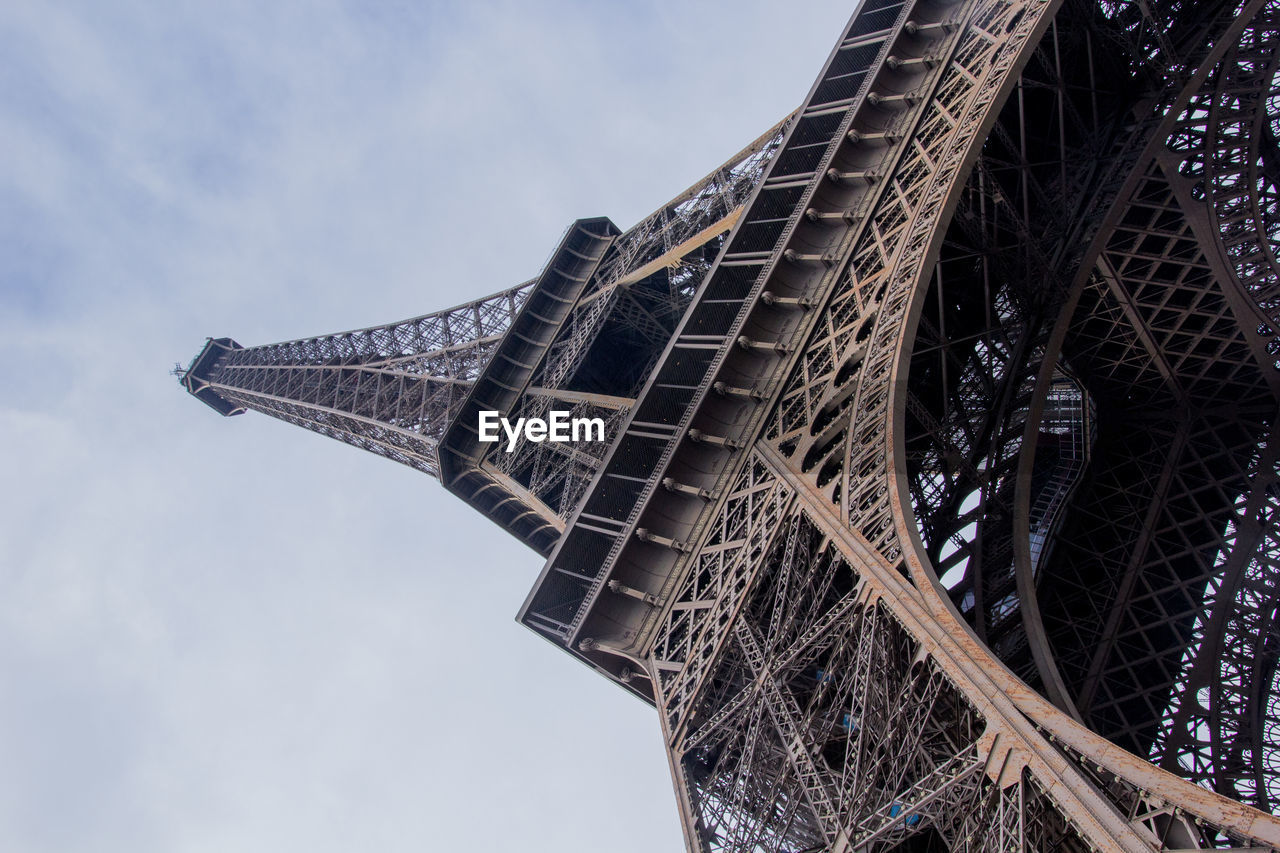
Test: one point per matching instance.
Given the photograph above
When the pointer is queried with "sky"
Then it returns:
(232, 634)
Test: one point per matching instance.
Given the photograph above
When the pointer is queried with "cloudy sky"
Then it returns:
(231, 634)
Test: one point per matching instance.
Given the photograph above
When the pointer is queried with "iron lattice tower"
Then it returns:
(940, 505)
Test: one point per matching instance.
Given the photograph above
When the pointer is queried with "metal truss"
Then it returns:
(941, 507)
(390, 389)
(630, 305)
(822, 704)
(393, 389)
(1043, 379)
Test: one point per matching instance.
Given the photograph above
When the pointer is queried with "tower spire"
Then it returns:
(388, 389)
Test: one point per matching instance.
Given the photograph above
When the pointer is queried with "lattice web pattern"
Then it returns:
(388, 389)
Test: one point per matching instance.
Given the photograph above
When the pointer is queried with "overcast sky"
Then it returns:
(231, 634)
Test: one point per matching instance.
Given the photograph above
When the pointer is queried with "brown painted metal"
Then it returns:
(945, 511)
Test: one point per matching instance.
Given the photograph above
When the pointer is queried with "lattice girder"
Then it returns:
(389, 389)
(1128, 785)
(897, 743)
(941, 490)
(394, 389)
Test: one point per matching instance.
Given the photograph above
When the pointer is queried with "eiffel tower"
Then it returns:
(938, 506)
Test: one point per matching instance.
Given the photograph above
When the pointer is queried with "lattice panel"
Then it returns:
(823, 722)
(702, 206)
(848, 366)
(390, 389)
(1227, 136)
(694, 630)
(452, 343)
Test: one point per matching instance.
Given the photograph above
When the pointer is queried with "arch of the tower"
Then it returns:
(1088, 430)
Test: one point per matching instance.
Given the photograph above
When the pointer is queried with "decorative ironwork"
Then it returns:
(940, 508)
